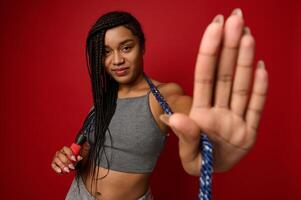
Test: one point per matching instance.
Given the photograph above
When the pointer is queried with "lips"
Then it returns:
(121, 71)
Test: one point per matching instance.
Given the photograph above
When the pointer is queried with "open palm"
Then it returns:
(227, 103)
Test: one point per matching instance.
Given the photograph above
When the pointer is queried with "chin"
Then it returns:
(126, 78)
(123, 79)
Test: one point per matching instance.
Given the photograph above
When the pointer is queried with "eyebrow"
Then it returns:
(126, 41)
(123, 42)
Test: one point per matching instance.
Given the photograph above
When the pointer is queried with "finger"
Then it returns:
(56, 168)
(206, 62)
(61, 155)
(258, 97)
(188, 133)
(233, 32)
(79, 158)
(68, 153)
(62, 165)
(243, 74)
(64, 161)
(66, 156)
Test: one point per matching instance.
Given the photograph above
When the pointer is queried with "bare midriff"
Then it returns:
(116, 185)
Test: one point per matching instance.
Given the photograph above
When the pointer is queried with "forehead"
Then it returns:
(118, 35)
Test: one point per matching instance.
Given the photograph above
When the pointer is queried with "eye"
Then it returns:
(126, 49)
(107, 52)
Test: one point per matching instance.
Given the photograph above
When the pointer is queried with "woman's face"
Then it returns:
(123, 57)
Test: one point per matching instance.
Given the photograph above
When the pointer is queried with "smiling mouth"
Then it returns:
(120, 71)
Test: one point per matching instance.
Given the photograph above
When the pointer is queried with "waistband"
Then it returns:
(81, 192)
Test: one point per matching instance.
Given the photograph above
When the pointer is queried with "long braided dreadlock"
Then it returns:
(104, 87)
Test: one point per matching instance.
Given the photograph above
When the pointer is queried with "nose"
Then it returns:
(118, 59)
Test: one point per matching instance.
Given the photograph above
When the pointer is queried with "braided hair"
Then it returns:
(104, 87)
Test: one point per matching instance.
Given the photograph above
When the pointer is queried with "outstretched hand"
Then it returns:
(227, 103)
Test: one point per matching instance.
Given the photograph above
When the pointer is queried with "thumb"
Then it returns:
(188, 133)
(184, 127)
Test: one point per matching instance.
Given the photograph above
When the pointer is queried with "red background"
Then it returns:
(45, 91)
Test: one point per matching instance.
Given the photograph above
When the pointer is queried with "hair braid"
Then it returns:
(104, 87)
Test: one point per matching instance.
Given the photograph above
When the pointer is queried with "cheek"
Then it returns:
(106, 63)
(138, 62)
(137, 59)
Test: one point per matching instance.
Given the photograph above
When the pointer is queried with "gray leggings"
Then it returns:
(83, 194)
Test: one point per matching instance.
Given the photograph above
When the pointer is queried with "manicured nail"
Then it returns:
(71, 166)
(59, 170)
(165, 118)
(66, 169)
(73, 158)
(237, 11)
(247, 30)
(79, 158)
(218, 19)
(261, 64)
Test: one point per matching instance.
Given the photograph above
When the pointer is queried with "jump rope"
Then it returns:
(206, 148)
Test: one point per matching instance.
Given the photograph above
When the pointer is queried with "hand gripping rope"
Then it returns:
(205, 149)
(83, 134)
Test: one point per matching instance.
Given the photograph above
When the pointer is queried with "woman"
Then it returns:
(129, 125)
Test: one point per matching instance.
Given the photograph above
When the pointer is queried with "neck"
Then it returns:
(130, 89)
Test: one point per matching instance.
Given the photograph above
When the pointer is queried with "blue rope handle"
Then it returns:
(206, 149)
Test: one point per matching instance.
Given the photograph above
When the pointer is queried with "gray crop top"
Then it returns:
(136, 140)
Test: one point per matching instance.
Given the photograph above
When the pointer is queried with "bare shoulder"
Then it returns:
(175, 96)
(170, 89)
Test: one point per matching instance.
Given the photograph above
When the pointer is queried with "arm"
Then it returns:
(226, 104)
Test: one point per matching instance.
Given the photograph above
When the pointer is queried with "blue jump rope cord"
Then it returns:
(205, 149)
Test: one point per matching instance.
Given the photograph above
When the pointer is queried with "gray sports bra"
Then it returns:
(135, 141)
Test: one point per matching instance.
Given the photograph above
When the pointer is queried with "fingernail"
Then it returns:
(73, 158)
(237, 11)
(71, 166)
(79, 158)
(247, 30)
(218, 19)
(165, 118)
(66, 169)
(59, 170)
(261, 64)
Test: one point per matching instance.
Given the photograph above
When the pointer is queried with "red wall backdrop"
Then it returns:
(45, 91)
